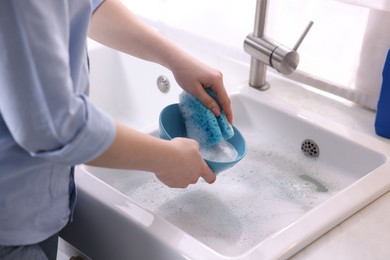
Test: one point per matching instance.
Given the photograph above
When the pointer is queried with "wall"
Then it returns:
(343, 53)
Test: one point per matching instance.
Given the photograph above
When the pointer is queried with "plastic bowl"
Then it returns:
(171, 125)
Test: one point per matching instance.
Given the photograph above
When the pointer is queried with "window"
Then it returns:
(343, 53)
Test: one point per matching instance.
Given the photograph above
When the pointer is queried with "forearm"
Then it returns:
(176, 163)
(115, 26)
(132, 149)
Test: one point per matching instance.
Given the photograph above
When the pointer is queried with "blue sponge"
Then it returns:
(201, 124)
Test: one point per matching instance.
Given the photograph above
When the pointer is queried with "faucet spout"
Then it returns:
(260, 18)
(258, 69)
(265, 52)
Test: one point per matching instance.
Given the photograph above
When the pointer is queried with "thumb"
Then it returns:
(208, 175)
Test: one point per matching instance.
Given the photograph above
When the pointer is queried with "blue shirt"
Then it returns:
(47, 123)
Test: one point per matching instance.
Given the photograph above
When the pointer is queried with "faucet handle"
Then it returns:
(279, 57)
(307, 29)
(286, 60)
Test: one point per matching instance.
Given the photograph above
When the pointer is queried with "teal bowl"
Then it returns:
(171, 125)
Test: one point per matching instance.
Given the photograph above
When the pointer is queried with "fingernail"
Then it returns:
(216, 111)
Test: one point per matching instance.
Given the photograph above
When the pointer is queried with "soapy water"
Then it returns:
(220, 152)
(270, 188)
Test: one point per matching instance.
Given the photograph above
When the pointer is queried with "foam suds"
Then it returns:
(262, 194)
(221, 152)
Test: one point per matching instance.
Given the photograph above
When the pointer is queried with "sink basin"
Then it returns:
(273, 203)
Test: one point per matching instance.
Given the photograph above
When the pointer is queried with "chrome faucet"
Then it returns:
(265, 52)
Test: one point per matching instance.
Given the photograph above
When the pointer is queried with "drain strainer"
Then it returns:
(310, 148)
(163, 84)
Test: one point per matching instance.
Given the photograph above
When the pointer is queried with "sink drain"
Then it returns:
(310, 148)
(163, 84)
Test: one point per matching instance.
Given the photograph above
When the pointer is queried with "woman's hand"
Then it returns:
(176, 163)
(194, 76)
(183, 165)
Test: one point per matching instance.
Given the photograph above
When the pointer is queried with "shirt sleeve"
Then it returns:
(96, 3)
(39, 103)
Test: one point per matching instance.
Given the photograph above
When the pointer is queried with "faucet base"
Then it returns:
(263, 87)
(257, 75)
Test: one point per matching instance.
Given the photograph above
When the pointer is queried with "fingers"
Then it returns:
(183, 164)
(210, 103)
(208, 175)
(224, 101)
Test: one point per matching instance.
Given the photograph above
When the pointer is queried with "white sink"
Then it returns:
(272, 204)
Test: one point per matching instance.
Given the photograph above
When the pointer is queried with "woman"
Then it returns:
(48, 124)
